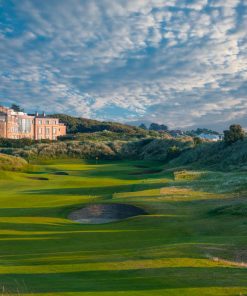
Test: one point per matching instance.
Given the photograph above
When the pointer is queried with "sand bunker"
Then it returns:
(105, 213)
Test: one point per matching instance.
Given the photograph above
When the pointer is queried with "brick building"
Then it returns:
(17, 125)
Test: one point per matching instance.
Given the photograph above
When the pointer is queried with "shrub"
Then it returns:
(234, 134)
(173, 152)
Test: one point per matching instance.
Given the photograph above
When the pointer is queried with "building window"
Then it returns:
(40, 130)
(24, 125)
(40, 121)
(47, 122)
(54, 130)
(47, 130)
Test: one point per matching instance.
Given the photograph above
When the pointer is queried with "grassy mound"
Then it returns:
(12, 163)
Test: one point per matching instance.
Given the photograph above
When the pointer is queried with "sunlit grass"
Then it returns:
(192, 220)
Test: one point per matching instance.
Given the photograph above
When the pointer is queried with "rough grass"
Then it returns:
(187, 175)
(238, 208)
(168, 252)
(12, 163)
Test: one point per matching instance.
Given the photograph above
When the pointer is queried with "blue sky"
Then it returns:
(182, 63)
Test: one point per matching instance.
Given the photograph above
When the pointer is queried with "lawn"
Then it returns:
(193, 242)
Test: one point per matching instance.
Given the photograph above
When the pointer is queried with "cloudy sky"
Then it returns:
(178, 62)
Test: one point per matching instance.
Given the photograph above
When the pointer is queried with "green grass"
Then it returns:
(194, 218)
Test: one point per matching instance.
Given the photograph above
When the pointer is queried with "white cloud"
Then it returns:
(82, 57)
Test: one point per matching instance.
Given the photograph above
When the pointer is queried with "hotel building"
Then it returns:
(18, 125)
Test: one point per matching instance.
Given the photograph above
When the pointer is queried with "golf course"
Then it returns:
(191, 239)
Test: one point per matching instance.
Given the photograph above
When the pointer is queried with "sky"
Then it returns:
(181, 63)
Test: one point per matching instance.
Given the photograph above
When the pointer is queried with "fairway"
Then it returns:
(192, 241)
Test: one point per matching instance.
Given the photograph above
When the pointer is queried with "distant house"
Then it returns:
(18, 125)
(176, 133)
(210, 137)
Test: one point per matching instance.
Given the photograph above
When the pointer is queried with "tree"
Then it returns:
(17, 108)
(173, 152)
(197, 141)
(163, 127)
(143, 126)
(158, 127)
(234, 134)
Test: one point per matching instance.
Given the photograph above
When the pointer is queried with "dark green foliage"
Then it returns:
(109, 136)
(149, 148)
(197, 141)
(200, 131)
(15, 143)
(216, 155)
(156, 149)
(143, 126)
(158, 127)
(234, 134)
(83, 125)
(68, 137)
(173, 152)
(234, 209)
(20, 143)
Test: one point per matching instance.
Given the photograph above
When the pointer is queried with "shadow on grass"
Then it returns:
(126, 170)
(130, 280)
(99, 191)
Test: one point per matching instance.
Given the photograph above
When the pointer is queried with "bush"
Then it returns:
(20, 143)
(15, 143)
(173, 152)
(234, 134)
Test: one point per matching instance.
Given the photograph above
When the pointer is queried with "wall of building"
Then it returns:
(17, 125)
(20, 125)
(2, 124)
(48, 128)
(2, 129)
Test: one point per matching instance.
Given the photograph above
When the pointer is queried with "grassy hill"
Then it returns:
(106, 140)
(192, 242)
(84, 125)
